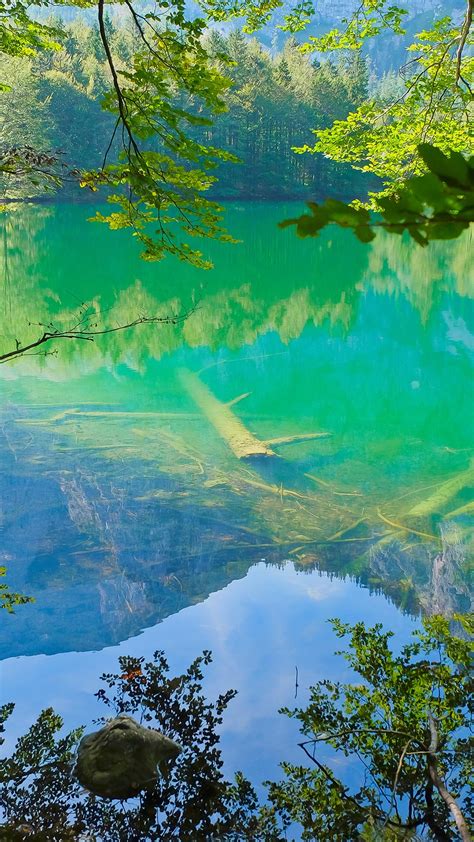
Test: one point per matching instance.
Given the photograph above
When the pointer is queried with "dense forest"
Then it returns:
(275, 101)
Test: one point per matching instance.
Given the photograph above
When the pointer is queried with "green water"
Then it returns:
(111, 468)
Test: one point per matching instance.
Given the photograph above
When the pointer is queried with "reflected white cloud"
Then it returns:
(325, 589)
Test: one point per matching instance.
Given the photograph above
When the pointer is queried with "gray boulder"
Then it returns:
(122, 758)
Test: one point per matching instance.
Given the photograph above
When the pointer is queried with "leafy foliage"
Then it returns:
(22, 35)
(194, 802)
(8, 599)
(401, 727)
(382, 136)
(403, 723)
(437, 205)
(370, 18)
(163, 185)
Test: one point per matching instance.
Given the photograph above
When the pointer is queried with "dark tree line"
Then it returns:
(276, 100)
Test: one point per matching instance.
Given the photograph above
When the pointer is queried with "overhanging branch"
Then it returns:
(88, 335)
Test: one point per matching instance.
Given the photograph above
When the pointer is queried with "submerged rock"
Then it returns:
(121, 759)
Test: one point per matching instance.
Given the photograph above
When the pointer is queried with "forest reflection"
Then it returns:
(191, 800)
(141, 506)
(280, 290)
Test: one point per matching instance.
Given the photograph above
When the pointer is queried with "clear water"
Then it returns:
(129, 518)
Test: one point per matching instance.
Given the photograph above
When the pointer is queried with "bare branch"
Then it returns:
(464, 35)
(88, 335)
(395, 782)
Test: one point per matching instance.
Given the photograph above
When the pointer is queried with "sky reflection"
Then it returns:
(258, 628)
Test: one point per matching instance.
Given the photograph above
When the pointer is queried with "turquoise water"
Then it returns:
(134, 524)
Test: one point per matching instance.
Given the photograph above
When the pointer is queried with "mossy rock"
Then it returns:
(122, 759)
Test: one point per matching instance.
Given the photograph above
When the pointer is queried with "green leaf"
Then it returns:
(364, 233)
(446, 230)
(453, 169)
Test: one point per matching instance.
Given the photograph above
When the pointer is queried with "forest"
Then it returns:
(275, 101)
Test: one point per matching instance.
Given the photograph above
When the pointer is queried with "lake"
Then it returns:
(133, 509)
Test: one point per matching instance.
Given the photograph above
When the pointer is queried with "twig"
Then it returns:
(345, 794)
(464, 35)
(89, 335)
(406, 528)
(395, 782)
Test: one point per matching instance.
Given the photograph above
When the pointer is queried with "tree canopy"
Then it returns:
(404, 722)
(156, 169)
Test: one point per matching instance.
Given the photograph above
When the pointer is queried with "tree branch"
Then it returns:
(440, 785)
(395, 782)
(121, 102)
(464, 35)
(382, 817)
(89, 335)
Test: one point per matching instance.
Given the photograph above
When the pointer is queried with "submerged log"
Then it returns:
(121, 759)
(445, 493)
(230, 428)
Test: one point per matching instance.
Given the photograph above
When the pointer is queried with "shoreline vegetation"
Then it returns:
(275, 101)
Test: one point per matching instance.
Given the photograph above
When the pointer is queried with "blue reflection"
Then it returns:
(259, 629)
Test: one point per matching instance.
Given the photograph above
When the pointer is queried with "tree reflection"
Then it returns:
(400, 729)
(41, 798)
(253, 290)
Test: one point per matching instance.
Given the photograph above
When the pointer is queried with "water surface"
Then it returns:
(125, 509)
